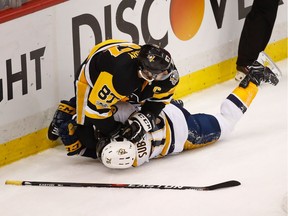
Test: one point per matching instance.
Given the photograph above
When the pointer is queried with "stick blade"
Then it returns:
(227, 184)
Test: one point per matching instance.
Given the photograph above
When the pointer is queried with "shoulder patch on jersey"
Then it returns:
(174, 77)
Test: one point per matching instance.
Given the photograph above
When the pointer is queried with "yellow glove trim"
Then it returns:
(74, 146)
(66, 108)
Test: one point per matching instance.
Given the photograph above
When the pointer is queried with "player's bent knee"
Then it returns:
(203, 128)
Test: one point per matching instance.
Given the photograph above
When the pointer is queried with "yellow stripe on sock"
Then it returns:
(246, 95)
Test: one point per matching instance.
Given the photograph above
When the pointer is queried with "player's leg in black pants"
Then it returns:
(256, 31)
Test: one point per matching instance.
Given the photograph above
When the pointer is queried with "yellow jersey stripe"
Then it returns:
(246, 95)
(81, 95)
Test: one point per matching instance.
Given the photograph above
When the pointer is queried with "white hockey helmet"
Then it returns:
(118, 154)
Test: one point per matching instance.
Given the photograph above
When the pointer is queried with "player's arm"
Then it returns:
(144, 121)
(162, 93)
(99, 111)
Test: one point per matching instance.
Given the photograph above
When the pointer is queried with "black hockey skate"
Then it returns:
(259, 74)
(64, 112)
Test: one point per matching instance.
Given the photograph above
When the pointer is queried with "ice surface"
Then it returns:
(255, 154)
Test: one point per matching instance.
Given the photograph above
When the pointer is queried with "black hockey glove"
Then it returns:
(137, 126)
(64, 112)
(102, 142)
(116, 133)
(69, 138)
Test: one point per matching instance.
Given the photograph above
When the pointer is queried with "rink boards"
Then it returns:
(39, 59)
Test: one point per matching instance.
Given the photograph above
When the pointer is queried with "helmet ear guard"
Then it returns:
(118, 155)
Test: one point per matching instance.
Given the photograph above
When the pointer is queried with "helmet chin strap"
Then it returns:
(142, 76)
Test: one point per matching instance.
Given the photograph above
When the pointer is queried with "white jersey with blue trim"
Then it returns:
(169, 136)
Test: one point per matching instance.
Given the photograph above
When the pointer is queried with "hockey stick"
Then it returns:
(221, 185)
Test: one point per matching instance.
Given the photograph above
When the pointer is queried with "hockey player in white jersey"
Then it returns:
(176, 129)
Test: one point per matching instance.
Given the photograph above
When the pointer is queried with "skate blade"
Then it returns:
(265, 60)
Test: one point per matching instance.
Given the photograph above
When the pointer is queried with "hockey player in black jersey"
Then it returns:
(120, 71)
(175, 128)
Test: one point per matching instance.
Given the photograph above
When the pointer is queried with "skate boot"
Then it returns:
(259, 74)
(64, 113)
(263, 59)
(242, 71)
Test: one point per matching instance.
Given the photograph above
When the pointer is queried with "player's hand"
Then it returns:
(64, 112)
(133, 132)
(137, 126)
(69, 137)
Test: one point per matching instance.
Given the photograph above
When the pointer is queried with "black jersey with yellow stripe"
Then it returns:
(157, 94)
(110, 74)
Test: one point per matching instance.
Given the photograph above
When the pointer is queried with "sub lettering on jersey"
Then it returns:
(143, 151)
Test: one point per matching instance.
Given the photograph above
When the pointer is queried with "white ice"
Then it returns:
(255, 154)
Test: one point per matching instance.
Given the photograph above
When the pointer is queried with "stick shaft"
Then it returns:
(226, 184)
